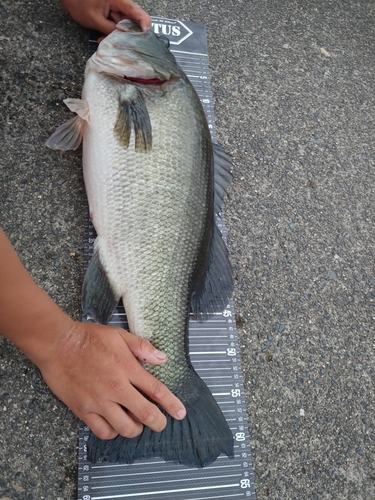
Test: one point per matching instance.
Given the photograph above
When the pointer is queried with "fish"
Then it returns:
(154, 182)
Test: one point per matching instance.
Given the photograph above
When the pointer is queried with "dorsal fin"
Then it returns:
(222, 176)
(213, 288)
(214, 291)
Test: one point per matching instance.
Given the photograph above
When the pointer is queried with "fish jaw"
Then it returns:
(131, 52)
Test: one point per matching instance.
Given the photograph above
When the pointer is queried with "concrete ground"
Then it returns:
(294, 89)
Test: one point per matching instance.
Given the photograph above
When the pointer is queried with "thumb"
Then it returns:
(102, 24)
(143, 349)
(132, 10)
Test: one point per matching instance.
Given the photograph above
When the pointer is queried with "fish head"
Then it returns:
(129, 52)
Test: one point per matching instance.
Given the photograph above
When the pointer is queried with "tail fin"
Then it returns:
(195, 441)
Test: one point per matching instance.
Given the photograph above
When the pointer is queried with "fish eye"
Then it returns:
(164, 40)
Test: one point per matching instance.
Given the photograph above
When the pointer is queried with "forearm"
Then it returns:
(28, 316)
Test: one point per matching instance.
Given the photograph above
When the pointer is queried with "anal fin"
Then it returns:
(98, 299)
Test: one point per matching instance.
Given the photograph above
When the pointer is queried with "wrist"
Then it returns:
(40, 333)
(34, 323)
(28, 316)
(42, 341)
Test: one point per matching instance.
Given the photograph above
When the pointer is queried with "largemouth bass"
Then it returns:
(154, 181)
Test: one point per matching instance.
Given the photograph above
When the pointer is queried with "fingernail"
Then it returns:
(181, 414)
(159, 354)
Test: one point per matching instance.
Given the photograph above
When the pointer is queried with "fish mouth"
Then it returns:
(144, 81)
(127, 25)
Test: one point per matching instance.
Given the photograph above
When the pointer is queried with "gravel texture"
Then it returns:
(294, 91)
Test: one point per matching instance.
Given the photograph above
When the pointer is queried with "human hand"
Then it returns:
(103, 15)
(92, 368)
(96, 374)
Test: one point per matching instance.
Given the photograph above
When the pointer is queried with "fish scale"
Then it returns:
(152, 236)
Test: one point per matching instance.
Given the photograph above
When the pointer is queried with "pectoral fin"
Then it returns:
(132, 113)
(78, 106)
(69, 135)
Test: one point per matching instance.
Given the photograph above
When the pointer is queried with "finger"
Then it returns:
(133, 11)
(99, 426)
(143, 349)
(92, 15)
(116, 17)
(143, 410)
(158, 392)
(145, 22)
(121, 421)
(100, 23)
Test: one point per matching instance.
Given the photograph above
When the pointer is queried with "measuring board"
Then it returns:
(214, 354)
